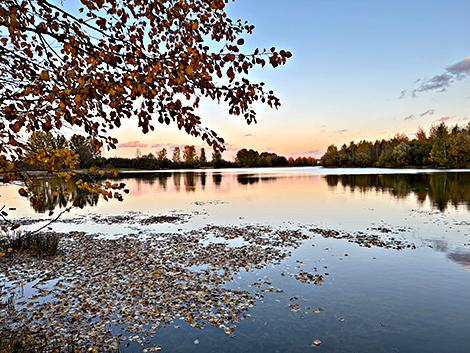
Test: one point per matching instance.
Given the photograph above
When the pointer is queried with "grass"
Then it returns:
(37, 244)
(12, 341)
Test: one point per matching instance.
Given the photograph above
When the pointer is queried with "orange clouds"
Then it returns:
(445, 118)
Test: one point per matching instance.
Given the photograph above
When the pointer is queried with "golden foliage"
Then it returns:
(115, 60)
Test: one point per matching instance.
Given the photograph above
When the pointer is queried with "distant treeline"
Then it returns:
(441, 147)
(190, 158)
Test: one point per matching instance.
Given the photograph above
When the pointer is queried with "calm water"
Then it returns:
(372, 299)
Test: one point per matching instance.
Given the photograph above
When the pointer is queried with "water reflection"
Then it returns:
(217, 179)
(57, 192)
(246, 179)
(442, 189)
(458, 255)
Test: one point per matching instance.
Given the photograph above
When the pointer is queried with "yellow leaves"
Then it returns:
(189, 70)
(16, 127)
(23, 192)
(124, 64)
(44, 75)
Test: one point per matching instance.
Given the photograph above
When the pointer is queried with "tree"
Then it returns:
(421, 135)
(44, 151)
(161, 155)
(189, 155)
(401, 155)
(82, 146)
(202, 157)
(216, 158)
(440, 148)
(419, 152)
(152, 61)
(330, 158)
(362, 160)
(459, 146)
(41, 139)
(176, 158)
(247, 158)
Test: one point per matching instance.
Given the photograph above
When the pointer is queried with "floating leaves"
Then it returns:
(364, 239)
(141, 284)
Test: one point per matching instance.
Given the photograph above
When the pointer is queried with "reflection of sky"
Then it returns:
(394, 299)
(460, 255)
(273, 196)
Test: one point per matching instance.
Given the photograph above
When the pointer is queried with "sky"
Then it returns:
(361, 70)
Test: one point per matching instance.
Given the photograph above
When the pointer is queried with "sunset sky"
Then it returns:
(361, 70)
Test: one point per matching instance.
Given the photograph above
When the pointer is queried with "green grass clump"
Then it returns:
(37, 244)
(12, 341)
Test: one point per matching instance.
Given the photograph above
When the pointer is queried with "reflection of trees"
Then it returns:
(217, 178)
(177, 180)
(57, 191)
(203, 178)
(190, 181)
(442, 189)
(246, 179)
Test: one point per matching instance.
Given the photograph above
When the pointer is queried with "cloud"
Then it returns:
(231, 147)
(438, 83)
(314, 152)
(445, 118)
(131, 144)
(427, 112)
(460, 68)
(342, 131)
(441, 82)
(411, 117)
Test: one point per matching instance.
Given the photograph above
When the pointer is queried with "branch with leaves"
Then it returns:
(151, 61)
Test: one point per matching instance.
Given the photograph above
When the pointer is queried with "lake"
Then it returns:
(267, 260)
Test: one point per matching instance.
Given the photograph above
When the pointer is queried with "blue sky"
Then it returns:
(360, 70)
